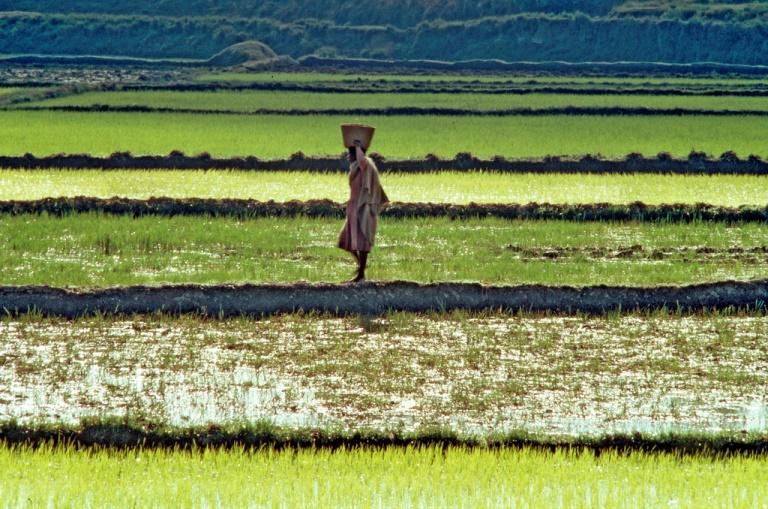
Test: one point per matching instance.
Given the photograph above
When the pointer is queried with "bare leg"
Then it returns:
(357, 269)
(362, 257)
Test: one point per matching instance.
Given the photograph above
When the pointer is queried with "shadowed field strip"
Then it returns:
(377, 298)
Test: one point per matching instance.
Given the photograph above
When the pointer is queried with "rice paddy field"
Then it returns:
(275, 136)
(361, 478)
(95, 250)
(652, 374)
(314, 77)
(439, 187)
(254, 100)
(479, 373)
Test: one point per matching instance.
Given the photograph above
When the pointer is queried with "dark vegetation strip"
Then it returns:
(123, 434)
(100, 60)
(244, 208)
(697, 163)
(219, 301)
(365, 87)
(412, 111)
(565, 68)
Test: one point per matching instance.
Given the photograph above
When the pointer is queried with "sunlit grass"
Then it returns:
(275, 136)
(443, 187)
(431, 477)
(251, 100)
(93, 250)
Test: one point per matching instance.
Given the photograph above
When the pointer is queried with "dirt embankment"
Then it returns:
(156, 436)
(421, 87)
(241, 208)
(697, 163)
(412, 111)
(377, 298)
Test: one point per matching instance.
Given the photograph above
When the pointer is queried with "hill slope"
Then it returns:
(401, 13)
(631, 30)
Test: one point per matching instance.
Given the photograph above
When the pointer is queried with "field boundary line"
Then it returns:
(440, 88)
(125, 434)
(246, 208)
(409, 111)
(697, 163)
(377, 298)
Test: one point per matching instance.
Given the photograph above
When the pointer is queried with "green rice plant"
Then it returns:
(275, 136)
(411, 477)
(305, 77)
(253, 100)
(94, 250)
(442, 187)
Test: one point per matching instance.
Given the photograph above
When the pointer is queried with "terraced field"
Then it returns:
(475, 373)
(94, 250)
(320, 77)
(666, 377)
(440, 187)
(279, 136)
(256, 100)
(376, 478)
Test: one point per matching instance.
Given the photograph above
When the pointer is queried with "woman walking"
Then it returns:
(366, 197)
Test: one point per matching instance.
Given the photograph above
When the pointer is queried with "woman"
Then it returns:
(366, 197)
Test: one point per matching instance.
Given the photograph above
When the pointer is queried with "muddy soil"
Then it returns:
(410, 111)
(633, 163)
(242, 208)
(376, 299)
(752, 255)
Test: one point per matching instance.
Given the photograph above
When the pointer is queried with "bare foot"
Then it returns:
(355, 280)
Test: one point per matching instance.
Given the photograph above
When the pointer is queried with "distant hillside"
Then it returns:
(401, 13)
(617, 30)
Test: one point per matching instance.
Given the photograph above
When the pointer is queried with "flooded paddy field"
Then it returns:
(424, 477)
(470, 373)
(93, 250)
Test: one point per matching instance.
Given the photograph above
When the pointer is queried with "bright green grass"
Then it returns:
(9, 90)
(427, 477)
(93, 250)
(275, 136)
(285, 77)
(444, 187)
(250, 100)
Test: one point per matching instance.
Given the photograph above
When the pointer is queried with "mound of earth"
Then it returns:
(250, 54)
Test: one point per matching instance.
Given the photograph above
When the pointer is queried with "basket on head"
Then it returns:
(357, 133)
